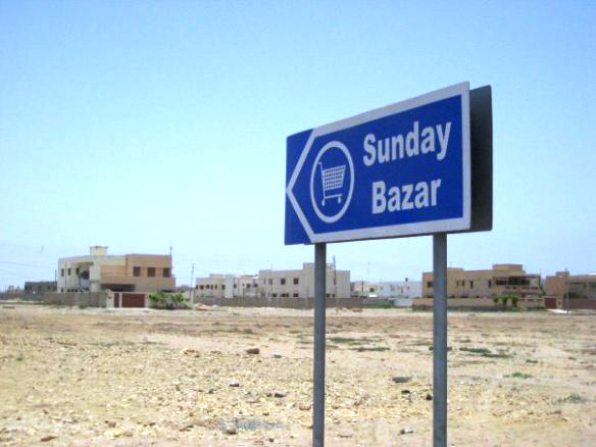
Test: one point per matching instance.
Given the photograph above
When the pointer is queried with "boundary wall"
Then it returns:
(82, 299)
(282, 302)
(478, 304)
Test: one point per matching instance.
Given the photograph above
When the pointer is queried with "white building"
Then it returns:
(400, 289)
(218, 285)
(300, 283)
(402, 293)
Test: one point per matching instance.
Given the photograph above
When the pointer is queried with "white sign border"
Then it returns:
(398, 230)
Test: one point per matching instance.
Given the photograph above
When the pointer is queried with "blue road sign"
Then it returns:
(401, 170)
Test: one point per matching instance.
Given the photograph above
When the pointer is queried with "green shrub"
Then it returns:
(163, 300)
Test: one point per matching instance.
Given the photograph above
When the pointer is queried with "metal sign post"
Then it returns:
(318, 434)
(418, 167)
(440, 340)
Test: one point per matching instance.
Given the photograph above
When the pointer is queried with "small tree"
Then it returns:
(178, 300)
(514, 301)
(504, 299)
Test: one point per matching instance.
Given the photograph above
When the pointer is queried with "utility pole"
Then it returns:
(566, 296)
(335, 284)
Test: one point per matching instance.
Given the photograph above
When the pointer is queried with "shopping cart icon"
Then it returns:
(333, 182)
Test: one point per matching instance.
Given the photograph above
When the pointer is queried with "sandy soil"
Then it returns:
(82, 377)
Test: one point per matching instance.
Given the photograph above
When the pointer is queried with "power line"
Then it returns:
(21, 264)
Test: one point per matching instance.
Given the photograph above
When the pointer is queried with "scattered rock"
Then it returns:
(48, 438)
(280, 394)
(253, 351)
(304, 407)
(230, 428)
(234, 384)
(201, 307)
(406, 392)
(429, 396)
(277, 356)
(122, 433)
(252, 399)
(401, 379)
(345, 433)
(406, 431)
(190, 352)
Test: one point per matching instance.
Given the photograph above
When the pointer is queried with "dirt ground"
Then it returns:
(78, 377)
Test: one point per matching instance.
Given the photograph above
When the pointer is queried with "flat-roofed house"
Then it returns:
(119, 273)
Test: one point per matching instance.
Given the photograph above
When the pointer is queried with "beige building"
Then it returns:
(126, 273)
(563, 285)
(502, 279)
(300, 283)
(226, 286)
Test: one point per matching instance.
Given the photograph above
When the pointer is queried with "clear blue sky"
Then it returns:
(140, 125)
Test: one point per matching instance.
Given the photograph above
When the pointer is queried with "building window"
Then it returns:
(282, 281)
(490, 283)
(77, 271)
(136, 271)
(274, 295)
(295, 280)
(62, 273)
(270, 282)
(151, 272)
(201, 287)
(295, 295)
(471, 284)
(429, 284)
(167, 272)
(68, 272)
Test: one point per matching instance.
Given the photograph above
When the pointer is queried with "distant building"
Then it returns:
(400, 289)
(502, 279)
(125, 273)
(364, 289)
(226, 286)
(564, 285)
(300, 283)
(39, 288)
